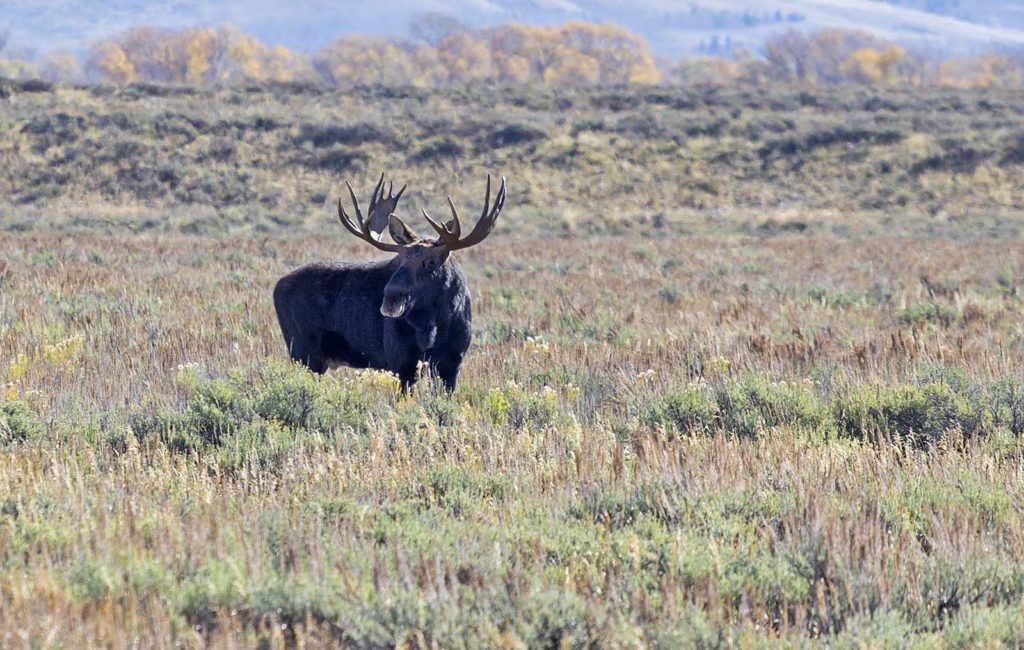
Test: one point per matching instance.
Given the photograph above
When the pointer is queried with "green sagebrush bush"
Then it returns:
(17, 422)
(256, 417)
(743, 407)
(940, 403)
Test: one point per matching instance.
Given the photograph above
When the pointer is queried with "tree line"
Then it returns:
(440, 51)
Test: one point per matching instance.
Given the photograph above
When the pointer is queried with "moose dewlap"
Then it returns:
(393, 314)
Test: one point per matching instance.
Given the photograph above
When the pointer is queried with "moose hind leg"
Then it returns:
(338, 352)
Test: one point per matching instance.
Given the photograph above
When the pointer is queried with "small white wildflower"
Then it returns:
(646, 375)
(537, 346)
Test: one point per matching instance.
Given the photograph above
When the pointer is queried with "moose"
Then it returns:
(392, 314)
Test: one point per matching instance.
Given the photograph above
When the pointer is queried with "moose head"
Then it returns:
(422, 268)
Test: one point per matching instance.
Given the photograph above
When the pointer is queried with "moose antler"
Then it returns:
(450, 233)
(381, 208)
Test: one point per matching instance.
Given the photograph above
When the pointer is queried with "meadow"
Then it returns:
(746, 372)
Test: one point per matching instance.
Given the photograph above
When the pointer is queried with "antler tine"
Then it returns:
(446, 235)
(499, 201)
(454, 226)
(383, 205)
(483, 226)
(345, 221)
(355, 202)
(487, 197)
(361, 227)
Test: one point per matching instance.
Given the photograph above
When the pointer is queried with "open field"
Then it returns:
(748, 386)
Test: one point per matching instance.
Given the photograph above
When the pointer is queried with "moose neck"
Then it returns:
(454, 292)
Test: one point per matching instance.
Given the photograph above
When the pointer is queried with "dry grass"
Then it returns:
(791, 437)
(510, 514)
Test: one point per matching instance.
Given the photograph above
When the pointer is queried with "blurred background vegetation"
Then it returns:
(439, 50)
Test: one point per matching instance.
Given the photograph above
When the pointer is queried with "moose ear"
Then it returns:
(401, 232)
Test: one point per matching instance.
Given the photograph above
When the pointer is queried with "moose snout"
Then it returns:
(394, 305)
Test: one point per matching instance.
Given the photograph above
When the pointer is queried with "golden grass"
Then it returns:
(585, 520)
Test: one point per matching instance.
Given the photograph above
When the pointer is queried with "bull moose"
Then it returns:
(389, 314)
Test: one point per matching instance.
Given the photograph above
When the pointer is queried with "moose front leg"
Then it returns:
(448, 371)
(402, 353)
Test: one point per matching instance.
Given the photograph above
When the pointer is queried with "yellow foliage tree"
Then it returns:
(871, 66)
(465, 57)
(198, 47)
(577, 53)
(363, 60)
(622, 56)
(520, 52)
(194, 56)
(282, 65)
(572, 68)
(110, 63)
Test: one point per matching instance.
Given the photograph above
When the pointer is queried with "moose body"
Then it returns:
(392, 315)
(330, 316)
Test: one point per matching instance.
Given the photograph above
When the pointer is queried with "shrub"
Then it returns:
(519, 407)
(619, 508)
(1007, 404)
(17, 422)
(512, 135)
(929, 410)
(325, 135)
(438, 149)
(930, 313)
(754, 404)
(687, 410)
(255, 417)
(460, 490)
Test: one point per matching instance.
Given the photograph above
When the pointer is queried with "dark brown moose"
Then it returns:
(389, 314)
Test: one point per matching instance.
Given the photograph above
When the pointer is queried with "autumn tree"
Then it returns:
(60, 66)
(194, 56)
(871, 66)
(621, 56)
(576, 53)
(518, 52)
(109, 62)
(835, 56)
(787, 57)
(830, 49)
(364, 60)
(984, 71)
(465, 57)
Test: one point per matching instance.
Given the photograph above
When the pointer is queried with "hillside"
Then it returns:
(710, 160)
